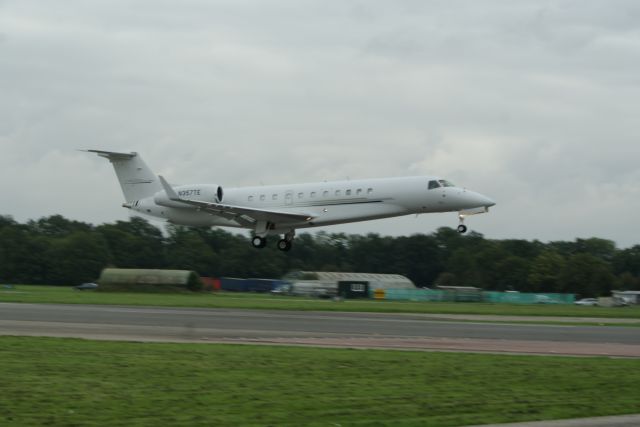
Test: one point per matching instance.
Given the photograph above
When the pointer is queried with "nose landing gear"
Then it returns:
(466, 212)
(462, 228)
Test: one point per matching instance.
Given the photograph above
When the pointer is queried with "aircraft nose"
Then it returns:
(482, 200)
(488, 202)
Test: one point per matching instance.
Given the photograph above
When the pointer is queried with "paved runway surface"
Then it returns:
(366, 330)
(618, 421)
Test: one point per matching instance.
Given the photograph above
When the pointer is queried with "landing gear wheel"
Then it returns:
(258, 242)
(284, 245)
(462, 229)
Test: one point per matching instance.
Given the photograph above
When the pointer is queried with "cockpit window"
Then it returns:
(433, 184)
(445, 183)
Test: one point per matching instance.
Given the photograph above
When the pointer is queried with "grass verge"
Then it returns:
(67, 295)
(51, 381)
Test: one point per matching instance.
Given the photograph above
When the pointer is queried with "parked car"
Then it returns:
(282, 289)
(86, 286)
(544, 299)
(587, 301)
(621, 302)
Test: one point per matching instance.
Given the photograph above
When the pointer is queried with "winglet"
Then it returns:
(170, 191)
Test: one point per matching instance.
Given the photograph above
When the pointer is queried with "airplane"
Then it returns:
(282, 209)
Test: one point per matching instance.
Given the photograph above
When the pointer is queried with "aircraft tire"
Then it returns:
(284, 245)
(462, 229)
(258, 242)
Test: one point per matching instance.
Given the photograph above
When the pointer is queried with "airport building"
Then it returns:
(148, 280)
(347, 285)
(626, 297)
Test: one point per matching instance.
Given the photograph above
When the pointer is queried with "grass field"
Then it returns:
(66, 295)
(50, 381)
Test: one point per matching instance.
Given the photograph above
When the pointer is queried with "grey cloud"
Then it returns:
(533, 103)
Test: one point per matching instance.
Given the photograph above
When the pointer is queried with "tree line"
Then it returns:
(55, 250)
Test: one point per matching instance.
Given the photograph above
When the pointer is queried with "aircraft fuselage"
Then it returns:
(329, 203)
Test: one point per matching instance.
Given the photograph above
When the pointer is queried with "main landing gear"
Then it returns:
(258, 242)
(283, 244)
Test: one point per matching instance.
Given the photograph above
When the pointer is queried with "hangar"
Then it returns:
(626, 297)
(148, 280)
(345, 284)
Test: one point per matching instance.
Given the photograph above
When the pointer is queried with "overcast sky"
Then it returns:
(533, 103)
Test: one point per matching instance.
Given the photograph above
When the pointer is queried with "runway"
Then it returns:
(330, 329)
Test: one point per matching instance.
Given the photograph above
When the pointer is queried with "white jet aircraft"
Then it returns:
(281, 209)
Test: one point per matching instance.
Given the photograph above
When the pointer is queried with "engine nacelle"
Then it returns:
(209, 193)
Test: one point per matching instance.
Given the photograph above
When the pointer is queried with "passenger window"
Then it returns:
(369, 190)
(251, 198)
(325, 193)
(313, 194)
(274, 197)
(359, 191)
(300, 195)
(338, 193)
(433, 184)
(347, 193)
(262, 197)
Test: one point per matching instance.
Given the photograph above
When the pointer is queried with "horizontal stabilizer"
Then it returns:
(112, 155)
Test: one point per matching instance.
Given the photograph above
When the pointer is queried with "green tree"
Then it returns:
(600, 248)
(57, 226)
(416, 257)
(488, 260)
(627, 260)
(134, 244)
(511, 274)
(22, 256)
(544, 275)
(463, 264)
(522, 248)
(370, 253)
(446, 279)
(187, 250)
(586, 275)
(7, 221)
(76, 258)
(628, 282)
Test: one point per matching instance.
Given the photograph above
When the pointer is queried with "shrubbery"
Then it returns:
(55, 250)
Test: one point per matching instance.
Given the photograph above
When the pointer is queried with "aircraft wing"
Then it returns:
(241, 214)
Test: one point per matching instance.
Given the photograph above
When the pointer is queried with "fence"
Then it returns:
(482, 296)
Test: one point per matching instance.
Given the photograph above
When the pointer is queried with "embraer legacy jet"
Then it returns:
(281, 209)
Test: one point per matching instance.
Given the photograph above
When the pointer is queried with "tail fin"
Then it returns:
(136, 179)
